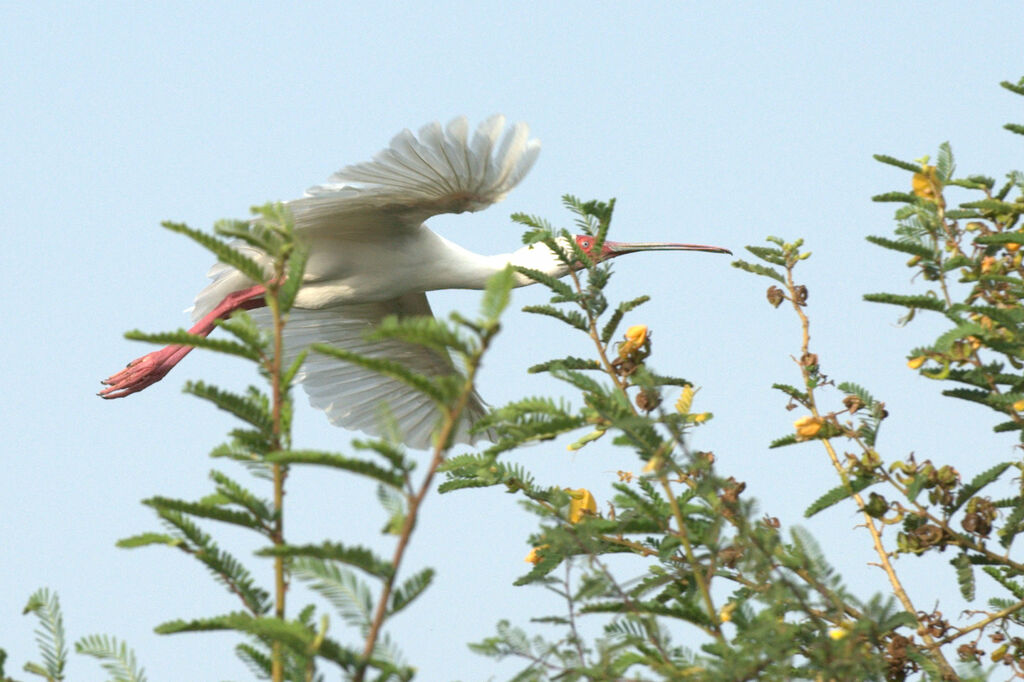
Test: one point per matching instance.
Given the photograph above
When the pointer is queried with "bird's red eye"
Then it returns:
(585, 244)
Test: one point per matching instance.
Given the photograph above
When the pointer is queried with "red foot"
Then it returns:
(151, 368)
(143, 372)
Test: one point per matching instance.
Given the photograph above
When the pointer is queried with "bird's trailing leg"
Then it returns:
(152, 367)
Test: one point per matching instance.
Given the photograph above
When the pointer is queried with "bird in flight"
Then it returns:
(371, 255)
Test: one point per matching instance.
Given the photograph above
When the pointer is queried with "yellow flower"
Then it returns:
(1019, 406)
(988, 264)
(838, 633)
(915, 363)
(635, 337)
(534, 556)
(625, 476)
(725, 615)
(808, 427)
(653, 464)
(926, 184)
(685, 401)
(581, 502)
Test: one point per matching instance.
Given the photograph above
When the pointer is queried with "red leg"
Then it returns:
(152, 367)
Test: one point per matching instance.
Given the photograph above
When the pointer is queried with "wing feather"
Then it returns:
(441, 170)
(359, 399)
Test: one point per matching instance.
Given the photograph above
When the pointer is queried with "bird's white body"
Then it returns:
(370, 255)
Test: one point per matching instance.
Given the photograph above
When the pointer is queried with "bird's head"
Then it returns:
(540, 257)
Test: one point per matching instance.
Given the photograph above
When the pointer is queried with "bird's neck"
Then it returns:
(459, 268)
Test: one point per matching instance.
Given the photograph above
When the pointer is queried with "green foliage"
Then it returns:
(45, 606)
(117, 659)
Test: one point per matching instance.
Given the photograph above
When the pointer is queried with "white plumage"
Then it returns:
(371, 256)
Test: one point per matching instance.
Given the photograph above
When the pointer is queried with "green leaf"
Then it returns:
(964, 575)
(389, 368)
(244, 519)
(977, 483)
(996, 206)
(117, 659)
(913, 248)
(1018, 89)
(758, 269)
(912, 167)
(225, 253)
(613, 322)
(145, 539)
(497, 294)
(327, 459)
(1000, 238)
(895, 197)
(293, 280)
(919, 302)
(45, 605)
(793, 392)
(411, 588)
(556, 285)
(573, 318)
(350, 597)
(252, 408)
(774, 256)
(838, 494)
(183, 338)
(565, 363)
(1014, 128)
(358, 557)
(783, 441)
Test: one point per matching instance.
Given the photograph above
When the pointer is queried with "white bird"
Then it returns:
(370, 255)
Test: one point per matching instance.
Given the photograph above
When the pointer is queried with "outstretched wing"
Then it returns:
(441, 170)
(359, 399)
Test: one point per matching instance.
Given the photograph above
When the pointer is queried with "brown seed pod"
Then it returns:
(775, 296)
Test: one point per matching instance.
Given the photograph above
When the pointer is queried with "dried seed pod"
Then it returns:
(775, 296)
(853, 403)
(800, 294)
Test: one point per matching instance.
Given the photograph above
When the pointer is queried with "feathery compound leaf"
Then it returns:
(293, 280)
(45, 605)
(765, 253)
(1000, 238)
(556, 285)
(350, 597)
(565, 363)
(573, 318)
(964, 575)
(206, 511)
(421, 330)
(117, 659)
(613, 323)
(327, 459)
(236, 493)
(913, 248)
(977, 483)
(225, 252)
(1018, 89)
(145, 539)
(1014, 524)
(905, 165)
(758, 269)
(252, 408)
(1014, 128)
(411, 588)
(895, 197)
(183, 338)
(497, 294)
(388, 368)
(919, 302)
(838, 494)
(359, 557)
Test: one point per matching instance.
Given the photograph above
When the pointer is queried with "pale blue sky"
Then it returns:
(710, 122)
